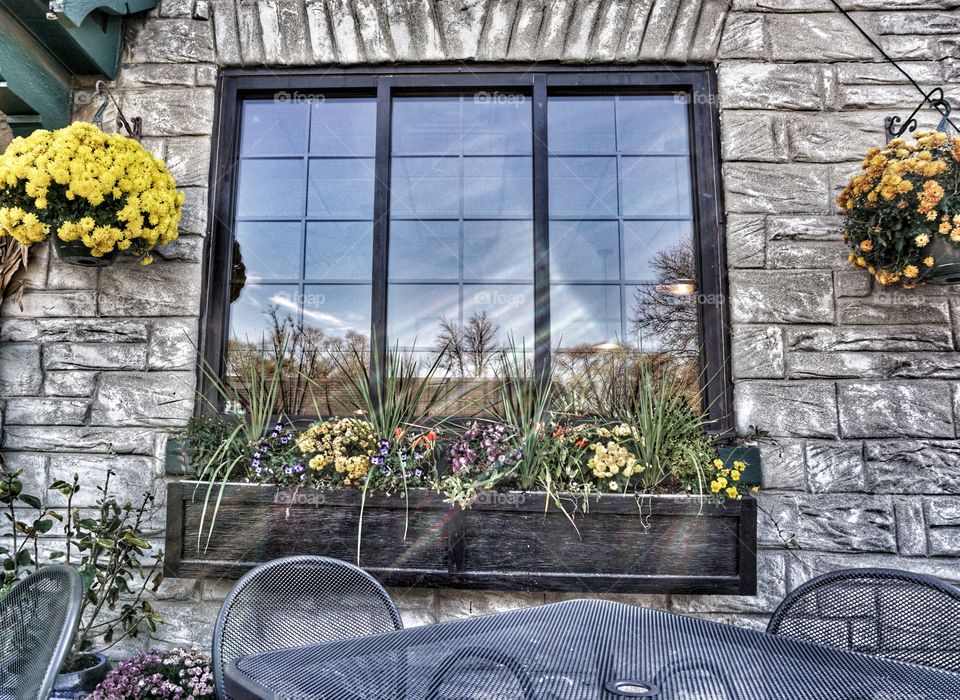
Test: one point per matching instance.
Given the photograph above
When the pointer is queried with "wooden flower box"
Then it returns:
(507, 541)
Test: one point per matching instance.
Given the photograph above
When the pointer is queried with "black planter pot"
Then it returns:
(76, 253)
(71, 686)
(947, 255)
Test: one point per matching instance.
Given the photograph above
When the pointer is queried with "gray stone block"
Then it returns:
(823, 37)
(188, 160)
(942, 515)
(757, 352)
(835, 467)
(20, 373)
(746, 241)
(42, 411)
(827, 523)
(783, 465)
(753, 136)
(145, 75)
(173, 344)
(119, 440)
(759, 296)
(813, 255)
(69, 383)
(770, 86)
(759, 187)
(172, 111)
(162, 399)
(797, 409)
(835, 365)
(890, 307)
(883, 73)
(51, 304)
(744, 36)
(913, 466)
(193, 219)
(132, 477)
(169, 41)
(831, 138)
(851, 283)
(168, 289)
(911, 527)
(94, 356)
(68, 330)
(878, 338)
(804, 228)
(920, 408)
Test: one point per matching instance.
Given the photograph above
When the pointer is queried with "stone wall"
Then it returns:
(858, 388)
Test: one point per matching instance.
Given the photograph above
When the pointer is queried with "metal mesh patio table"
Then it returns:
(581, 650)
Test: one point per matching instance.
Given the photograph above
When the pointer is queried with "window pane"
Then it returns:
(498, 250)
(426, 125)
(653, 124)
(656, 186)
(497, 123)
(308, 165)
(343, 127)
(339, 250)
(581, 125)
(337, 309)
(415, 312)
(584, 315)
(497, 186)
(583, 187)
(341, 188)
(271, 127)
(424, 250)
(584, 250)
(658, 251)
(425, 187)
(270, 187)
(269, 249)
(663, 322)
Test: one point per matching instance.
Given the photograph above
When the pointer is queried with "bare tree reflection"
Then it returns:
(667, 319)
(468, 350)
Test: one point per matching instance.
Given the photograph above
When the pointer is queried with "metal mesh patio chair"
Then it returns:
(296, 601)
(884, 612)
(38, 618)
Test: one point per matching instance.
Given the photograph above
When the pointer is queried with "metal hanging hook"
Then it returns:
(133, 127)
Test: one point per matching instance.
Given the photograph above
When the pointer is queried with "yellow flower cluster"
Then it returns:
(906, 193)
(727, 479)
(104, 190)
(611, 459)
(345, 444)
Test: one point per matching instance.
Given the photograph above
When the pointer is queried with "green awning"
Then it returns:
(43, 45)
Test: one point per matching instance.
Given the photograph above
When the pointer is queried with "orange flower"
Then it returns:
(910, 271)
(866, 246)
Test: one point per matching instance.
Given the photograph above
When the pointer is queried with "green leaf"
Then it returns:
(57, 555)
(31, 501)
(42, 526)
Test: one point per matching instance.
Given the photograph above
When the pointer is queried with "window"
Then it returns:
(567, 212)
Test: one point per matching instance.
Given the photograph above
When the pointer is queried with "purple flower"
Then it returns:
(176, 674)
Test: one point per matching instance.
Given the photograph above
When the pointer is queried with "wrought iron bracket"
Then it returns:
(896, 127)
(133, 126)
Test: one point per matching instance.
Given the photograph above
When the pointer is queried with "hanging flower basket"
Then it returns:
(95, 194)
(903, 211)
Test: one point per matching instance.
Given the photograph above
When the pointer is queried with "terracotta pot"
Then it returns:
(76, 253)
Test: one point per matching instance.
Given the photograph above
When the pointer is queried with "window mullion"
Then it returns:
(381, 234)
(541, 229)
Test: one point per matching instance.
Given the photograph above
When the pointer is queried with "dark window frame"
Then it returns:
(537, 81)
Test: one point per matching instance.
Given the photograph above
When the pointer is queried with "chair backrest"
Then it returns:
(38, 619)
(295, 601)
(885, 612)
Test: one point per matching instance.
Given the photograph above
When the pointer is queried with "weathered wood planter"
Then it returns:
(510, 541)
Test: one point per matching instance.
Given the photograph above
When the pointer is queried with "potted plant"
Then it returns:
(902, 212)
(109, 551)
(550, 487)
(94, 194)
(175, 673)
